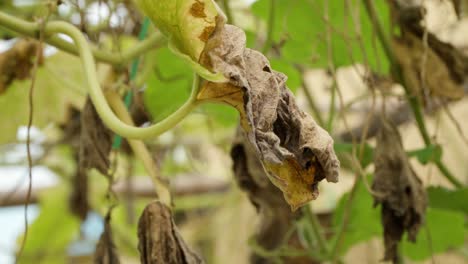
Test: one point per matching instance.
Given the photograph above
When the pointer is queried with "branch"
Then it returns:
(181, 185)
(140, 150)
(119, 60)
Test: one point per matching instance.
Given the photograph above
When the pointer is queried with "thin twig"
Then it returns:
(140, 149)
(316, 227)
(335, 250)
(28, 135)
(310, 99)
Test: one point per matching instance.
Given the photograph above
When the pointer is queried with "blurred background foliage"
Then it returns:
(319, 44)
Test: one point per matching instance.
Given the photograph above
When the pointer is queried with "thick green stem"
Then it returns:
(413, 101)
(30, 29)
(97, 96)
(228, 11)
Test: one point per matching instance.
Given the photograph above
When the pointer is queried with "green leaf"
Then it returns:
(364, 220)
(442, 198)
(168, 87)
(224, 115)
(428, 154)
(59, 84)
(347, 148)
(446, 229)
(51, 233)
(294, 77)
(301, 23)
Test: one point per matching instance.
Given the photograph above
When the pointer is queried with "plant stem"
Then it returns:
(316, 227)
(310, 99)
(228, 11)
(119, 60)
(413, 101)
(271, 26)
(97, 96)
(140, 149)
(133, 74)
(335, 250)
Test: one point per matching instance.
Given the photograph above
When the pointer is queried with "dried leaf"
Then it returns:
(275, 216)
(96, 140)
(94, 148)
(17, 62)
(293, 149)
(398, 189)
(159, 239)
(416, 59)
(428, 63)
(106, 252)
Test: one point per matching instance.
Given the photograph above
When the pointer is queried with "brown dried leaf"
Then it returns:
(275, 216)
(293, 149)
(106, 252)
(398, 189)
(159, 240)
(95, 142)
(17, 62)
(410, 52)
(445, 67)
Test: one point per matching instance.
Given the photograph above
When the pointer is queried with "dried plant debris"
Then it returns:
(95, 142)
(429, 65)
(275, 216)
(17, 62)
(106, 252)
(293, 149)
(159, 239)
(397, 189)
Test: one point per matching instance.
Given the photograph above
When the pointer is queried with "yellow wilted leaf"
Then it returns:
(187, 23)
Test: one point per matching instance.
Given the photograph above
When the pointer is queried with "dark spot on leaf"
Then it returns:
(205, 35)
(198, 9)
(267, 69)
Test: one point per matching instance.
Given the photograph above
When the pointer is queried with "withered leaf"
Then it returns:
(293, 149)
(17, 62)
(423, 69)
(159, 239)
(94, 147)
(397, 189)
(275, 216)
(96, 140)
(428, 64)
(106, 252)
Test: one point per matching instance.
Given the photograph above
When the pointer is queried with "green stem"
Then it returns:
(335, 250)
(133, 74)
(97, 96)
(310, 99)
(119, 60)
(271, 26)
(413, 101)
(228, 11)
(316, 227)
